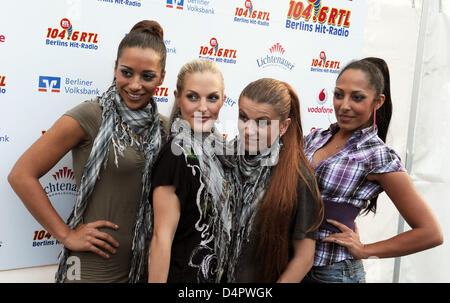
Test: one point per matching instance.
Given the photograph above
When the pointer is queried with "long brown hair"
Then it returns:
(277, 209)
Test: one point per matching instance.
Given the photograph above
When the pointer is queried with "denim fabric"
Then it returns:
(346, 271)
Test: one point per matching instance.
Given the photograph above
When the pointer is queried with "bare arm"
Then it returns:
(301, 263)
(166, 210)
(65, 134)
(425, 230)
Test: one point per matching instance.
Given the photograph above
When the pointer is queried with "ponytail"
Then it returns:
(279, 205)
(384, 113)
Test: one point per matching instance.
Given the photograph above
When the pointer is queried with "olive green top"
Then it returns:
(115, 198)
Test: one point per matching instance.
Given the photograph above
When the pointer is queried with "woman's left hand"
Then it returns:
(347, 238)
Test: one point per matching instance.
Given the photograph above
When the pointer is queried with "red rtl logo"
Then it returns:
(161, 92)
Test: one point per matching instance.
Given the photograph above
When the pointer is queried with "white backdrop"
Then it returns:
(44, 73)
(388, 30)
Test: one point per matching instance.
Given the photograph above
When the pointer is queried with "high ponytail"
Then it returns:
(377, 73)
(277, 208)
(145, 34)
(384, 113)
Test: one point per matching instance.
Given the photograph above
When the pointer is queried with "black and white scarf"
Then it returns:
(250, 176)
(122, 128)
(213, 186)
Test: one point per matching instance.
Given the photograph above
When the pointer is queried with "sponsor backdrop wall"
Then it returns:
(52, 60)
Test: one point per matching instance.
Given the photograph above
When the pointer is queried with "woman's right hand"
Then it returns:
(87, 237)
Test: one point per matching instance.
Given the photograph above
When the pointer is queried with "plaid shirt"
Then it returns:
(342, 178)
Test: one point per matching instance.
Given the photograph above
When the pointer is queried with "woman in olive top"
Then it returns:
(114, 140)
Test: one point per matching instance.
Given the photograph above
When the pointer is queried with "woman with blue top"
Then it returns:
(353, 166)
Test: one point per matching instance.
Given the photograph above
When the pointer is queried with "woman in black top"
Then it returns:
(185, 201)
(275, 222)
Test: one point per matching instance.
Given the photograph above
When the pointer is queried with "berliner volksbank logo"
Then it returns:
(77, 86)
(196, 6)
(49, 84)
(179, 4)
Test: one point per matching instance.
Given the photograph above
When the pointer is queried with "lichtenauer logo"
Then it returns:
(2, 85)
(322, 64)
(75, 86)
(75, 39)
(275, 58)
(248, 14)
(314, 16)
(63, 184)
(218, 54)
(195, 6)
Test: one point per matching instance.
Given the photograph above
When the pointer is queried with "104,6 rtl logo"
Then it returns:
(248, 14)
(311, 17)
(319, 13)
(324, 65)
(75, 39)
(2, 84)
(216, 53)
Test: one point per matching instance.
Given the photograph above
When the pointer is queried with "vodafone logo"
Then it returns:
(322, 97)
(321, 108)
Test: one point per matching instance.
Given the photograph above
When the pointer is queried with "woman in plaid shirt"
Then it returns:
(353, 166)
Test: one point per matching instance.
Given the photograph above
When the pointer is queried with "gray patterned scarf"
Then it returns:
(122, 128)
(205, 149)
(250, 176)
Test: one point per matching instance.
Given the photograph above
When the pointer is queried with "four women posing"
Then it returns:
(204, 210)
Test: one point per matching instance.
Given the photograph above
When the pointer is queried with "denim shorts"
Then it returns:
(347, 271)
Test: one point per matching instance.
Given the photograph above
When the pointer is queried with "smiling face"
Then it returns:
(355, 100)
(200, 100)
(259, 124)
(138, 74)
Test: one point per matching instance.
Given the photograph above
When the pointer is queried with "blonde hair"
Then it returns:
(192, 67)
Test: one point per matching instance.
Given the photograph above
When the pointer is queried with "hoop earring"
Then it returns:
(374, 118)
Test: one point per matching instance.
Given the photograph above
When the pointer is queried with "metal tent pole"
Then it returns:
(413, 113)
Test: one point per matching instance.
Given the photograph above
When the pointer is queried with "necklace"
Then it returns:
(338, 145)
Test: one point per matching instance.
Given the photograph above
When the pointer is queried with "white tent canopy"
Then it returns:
(413, 37)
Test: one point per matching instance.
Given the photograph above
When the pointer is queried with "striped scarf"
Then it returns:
(205, 148)
(250, 176)
(122, 128)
